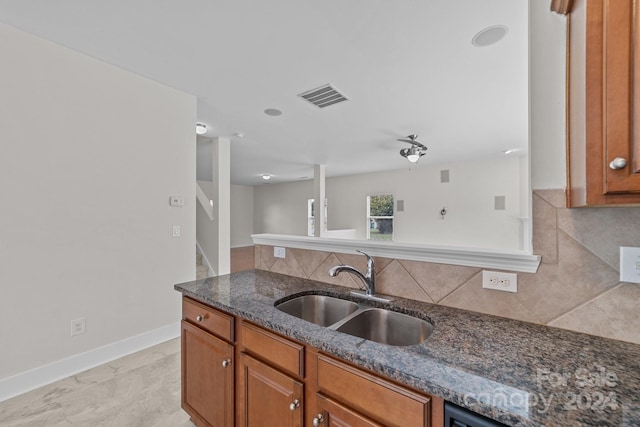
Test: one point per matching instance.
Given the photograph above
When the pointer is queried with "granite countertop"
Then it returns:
(518, 373)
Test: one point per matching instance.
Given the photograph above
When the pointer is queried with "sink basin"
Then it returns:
(319, 309)
(387, 327)
(360, 320)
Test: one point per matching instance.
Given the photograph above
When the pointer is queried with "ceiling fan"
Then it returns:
(414, 152)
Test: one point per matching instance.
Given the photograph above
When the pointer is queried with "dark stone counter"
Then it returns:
(518, 373)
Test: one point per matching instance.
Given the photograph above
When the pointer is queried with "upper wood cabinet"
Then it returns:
(604, 103)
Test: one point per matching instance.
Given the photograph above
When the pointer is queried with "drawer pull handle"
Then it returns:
(294, 405)
(319, 419)
(618, 163)
(200, 317)
(226, 363)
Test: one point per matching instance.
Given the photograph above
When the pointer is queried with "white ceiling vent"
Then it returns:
(323, 96)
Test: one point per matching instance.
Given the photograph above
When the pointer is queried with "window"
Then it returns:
(380, 217)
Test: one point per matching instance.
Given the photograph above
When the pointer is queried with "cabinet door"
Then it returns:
(332, 414)
(604, 103)
(268, 398)
(621, 82)
(207, 378)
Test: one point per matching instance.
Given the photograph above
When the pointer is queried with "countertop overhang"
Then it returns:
(518, 373)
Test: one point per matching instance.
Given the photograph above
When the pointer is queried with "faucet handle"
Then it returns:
(370, 264)
(363, 253)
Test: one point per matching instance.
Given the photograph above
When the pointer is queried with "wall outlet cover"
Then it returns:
(78, 326)
(279, 252)
(500, 281)
(629, 264)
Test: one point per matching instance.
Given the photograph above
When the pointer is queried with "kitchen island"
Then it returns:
(517, 373)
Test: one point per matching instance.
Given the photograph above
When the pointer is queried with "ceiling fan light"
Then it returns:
(414, 154)
(201, 129)
(416, 150)
(413, 158)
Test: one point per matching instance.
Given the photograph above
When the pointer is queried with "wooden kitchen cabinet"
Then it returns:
(238, 373)
(270, 379)
(268, 398)
(207, 377)
(332, 414)
(603, 152)
(372, 398)
(207, 361)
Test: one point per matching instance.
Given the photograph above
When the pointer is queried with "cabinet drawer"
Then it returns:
(209, 319)
(336, 415)
(272, 348)
(379, 399)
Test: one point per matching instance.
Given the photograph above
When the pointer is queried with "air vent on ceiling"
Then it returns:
(323, 96)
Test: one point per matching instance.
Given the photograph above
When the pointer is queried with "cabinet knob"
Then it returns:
(319, 419)
(200, 317)
(226, 363)
(294, 405)
(618, 163)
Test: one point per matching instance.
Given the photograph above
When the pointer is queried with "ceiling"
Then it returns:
(407, 66)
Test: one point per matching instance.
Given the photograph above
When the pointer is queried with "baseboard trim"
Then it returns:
(47, 374)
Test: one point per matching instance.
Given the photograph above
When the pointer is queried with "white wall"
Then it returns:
(471, 219)
(282, 208)
(241, 215)
(89, 157)
(241, 219)
(547, 121)
(547, 41)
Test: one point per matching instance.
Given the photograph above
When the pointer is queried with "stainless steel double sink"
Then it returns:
(358, 319)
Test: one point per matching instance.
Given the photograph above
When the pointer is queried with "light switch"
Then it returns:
(176, 231)
(629, 264)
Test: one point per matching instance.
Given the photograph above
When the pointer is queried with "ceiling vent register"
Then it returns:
(323, 96)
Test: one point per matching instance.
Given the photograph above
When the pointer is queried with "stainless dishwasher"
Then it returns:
(456, 416)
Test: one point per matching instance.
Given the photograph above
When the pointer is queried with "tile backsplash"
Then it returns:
(576, 287)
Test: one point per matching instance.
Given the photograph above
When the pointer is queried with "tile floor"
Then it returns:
(139, 390)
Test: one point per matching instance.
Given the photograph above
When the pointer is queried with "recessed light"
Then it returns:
(489, 35)
(266, 176)
(201, 129)
(272, 112)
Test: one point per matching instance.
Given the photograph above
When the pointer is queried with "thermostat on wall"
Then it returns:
(176, 201)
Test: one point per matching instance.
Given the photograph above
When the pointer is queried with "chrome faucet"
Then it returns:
(369, 278)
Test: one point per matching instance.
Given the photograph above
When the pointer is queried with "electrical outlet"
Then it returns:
(279, 252)
(500, 281)
(78, 326)
(629, 264)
